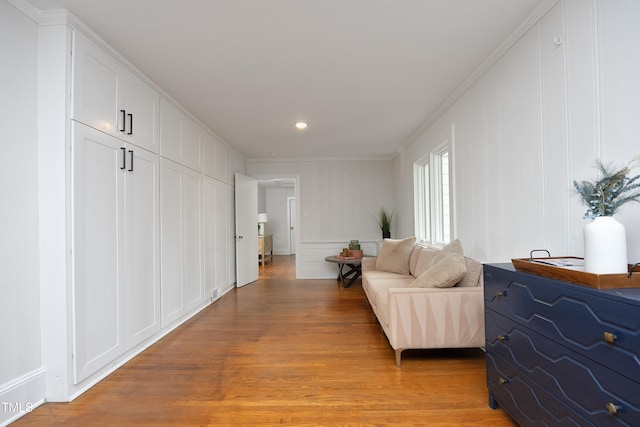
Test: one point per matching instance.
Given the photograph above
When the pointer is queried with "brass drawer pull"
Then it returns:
(610, 337)
(501, 293)
(502, 338)
(612, 408)
(503, 380)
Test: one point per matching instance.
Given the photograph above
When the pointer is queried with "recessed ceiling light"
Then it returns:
(301, 125)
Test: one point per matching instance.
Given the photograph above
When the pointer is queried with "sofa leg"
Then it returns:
(398, 357)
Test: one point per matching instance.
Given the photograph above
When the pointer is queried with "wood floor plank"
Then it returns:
(282, 351)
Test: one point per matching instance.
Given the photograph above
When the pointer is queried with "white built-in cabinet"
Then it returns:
(218, 226)
(115, 247)
(142, 245)
(148, 184)
(217, 235)
(181, 137)
(108, 97)
(181, 241)
(214, 157)
(116, 193)
(98, 248)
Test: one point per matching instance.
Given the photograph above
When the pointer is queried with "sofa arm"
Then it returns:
(436, 318)
(368, 263)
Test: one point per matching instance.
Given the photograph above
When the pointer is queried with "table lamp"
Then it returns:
(262, 219)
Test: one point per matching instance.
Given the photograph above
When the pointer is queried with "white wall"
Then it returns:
(337, 202)
(567, 92)
(21, 374)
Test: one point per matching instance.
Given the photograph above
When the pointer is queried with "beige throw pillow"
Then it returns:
(446, 269)
(394, 255)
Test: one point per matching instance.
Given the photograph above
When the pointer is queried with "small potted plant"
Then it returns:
(384, 221)
(605, 247)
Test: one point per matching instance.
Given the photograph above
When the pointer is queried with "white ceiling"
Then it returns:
(365, 74)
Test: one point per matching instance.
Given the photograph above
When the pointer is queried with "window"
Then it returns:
(433, 197)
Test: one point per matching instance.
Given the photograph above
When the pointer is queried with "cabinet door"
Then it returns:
(97, 86)
(214, 157)
(108, 97)
(216, 237)
(171, 243)
(180, 137)
(192, 236)
(209, 244)
(142, 192)
(142, 114)
(98, 236)
(181, 230)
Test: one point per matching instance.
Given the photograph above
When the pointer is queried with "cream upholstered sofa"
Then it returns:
(415, 314)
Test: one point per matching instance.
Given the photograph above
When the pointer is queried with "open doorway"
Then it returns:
(278, 198)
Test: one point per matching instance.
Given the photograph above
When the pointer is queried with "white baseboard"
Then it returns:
(21, 396)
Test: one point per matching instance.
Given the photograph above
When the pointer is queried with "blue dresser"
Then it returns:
(560, 354)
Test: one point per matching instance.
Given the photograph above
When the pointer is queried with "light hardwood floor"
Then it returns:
(282, 351)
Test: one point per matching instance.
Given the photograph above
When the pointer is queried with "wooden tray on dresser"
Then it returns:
(572, 274)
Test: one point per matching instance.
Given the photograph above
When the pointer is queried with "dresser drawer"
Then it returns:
(589, 388)
(606, 330)
(526, 402)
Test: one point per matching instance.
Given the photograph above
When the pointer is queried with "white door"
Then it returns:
(97, 86)
(246, 229)
(142, 264)
(180, 137)
(193, 238)
(98, 279)
(141, 115)
(171, 241)
(291, 213)
(181, 240)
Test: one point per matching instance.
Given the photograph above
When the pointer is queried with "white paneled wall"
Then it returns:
(312, 255)
(567, 92)
(338, 201)
(21, 372)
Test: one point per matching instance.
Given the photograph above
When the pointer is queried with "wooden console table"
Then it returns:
(265, 248)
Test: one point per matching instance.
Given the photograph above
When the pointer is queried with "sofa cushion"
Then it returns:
(380, 293)
(426, 255)
(446, 268)
(394, 255)
(413, 260)
(474, 274)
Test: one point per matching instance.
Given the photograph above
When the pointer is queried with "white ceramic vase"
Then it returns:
(605, 246)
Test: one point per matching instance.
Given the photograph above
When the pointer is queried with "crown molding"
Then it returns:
(320, 159)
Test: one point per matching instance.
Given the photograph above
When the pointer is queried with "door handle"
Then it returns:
(124, 121)
(131, 164)
(124, 158)
(130, 124)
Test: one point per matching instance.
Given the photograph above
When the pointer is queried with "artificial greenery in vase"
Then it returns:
(605, 245)
(384, 221)
(610, 191)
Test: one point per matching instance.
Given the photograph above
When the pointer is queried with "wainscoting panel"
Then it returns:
(311, 261)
